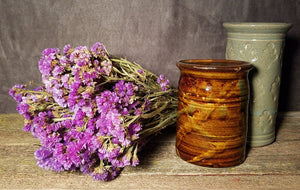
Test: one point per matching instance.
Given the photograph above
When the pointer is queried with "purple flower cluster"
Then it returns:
(72, 77)
(163, 82)
(98, 146)
(85, 115)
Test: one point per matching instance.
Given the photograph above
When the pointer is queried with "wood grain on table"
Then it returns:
(276, 166)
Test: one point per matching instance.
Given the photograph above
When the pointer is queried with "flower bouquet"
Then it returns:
(94, 111)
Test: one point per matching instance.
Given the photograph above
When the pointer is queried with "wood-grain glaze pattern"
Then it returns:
(212, 112)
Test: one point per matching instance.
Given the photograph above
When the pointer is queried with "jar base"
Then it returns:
(213, 162)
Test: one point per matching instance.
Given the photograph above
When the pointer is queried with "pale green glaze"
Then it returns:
(261, 44)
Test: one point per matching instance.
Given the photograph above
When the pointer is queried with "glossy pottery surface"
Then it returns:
(212, 112)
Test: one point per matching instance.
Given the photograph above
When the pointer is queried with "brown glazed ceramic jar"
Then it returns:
(212, 112)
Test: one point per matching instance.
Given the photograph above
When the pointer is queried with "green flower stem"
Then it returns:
(155, 122)
(132, 120)
(36, 92)
(61, 119)
(162, 92)
(170, 120)
(157, 111)
(117, 71)
(128, 64)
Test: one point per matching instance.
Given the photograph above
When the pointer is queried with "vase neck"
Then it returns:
(271, 31)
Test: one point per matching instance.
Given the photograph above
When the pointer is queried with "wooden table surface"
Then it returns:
(276, 166)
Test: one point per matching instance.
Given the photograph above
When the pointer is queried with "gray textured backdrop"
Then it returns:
(153, 33)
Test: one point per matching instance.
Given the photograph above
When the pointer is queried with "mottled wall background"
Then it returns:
(153, 33)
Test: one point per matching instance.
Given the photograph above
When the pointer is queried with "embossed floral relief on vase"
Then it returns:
(262, 45)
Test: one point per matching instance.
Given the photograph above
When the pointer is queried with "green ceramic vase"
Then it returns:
(262, 45)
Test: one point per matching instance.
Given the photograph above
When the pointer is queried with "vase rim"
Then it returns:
(217, 65)
(259, 26)
(258, 23)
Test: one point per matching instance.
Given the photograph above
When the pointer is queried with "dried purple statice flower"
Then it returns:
(94, 110)
(163, 82)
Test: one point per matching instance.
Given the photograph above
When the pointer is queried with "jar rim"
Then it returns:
(214, 65)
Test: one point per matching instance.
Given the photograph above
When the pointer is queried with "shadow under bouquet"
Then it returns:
(94, 111)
